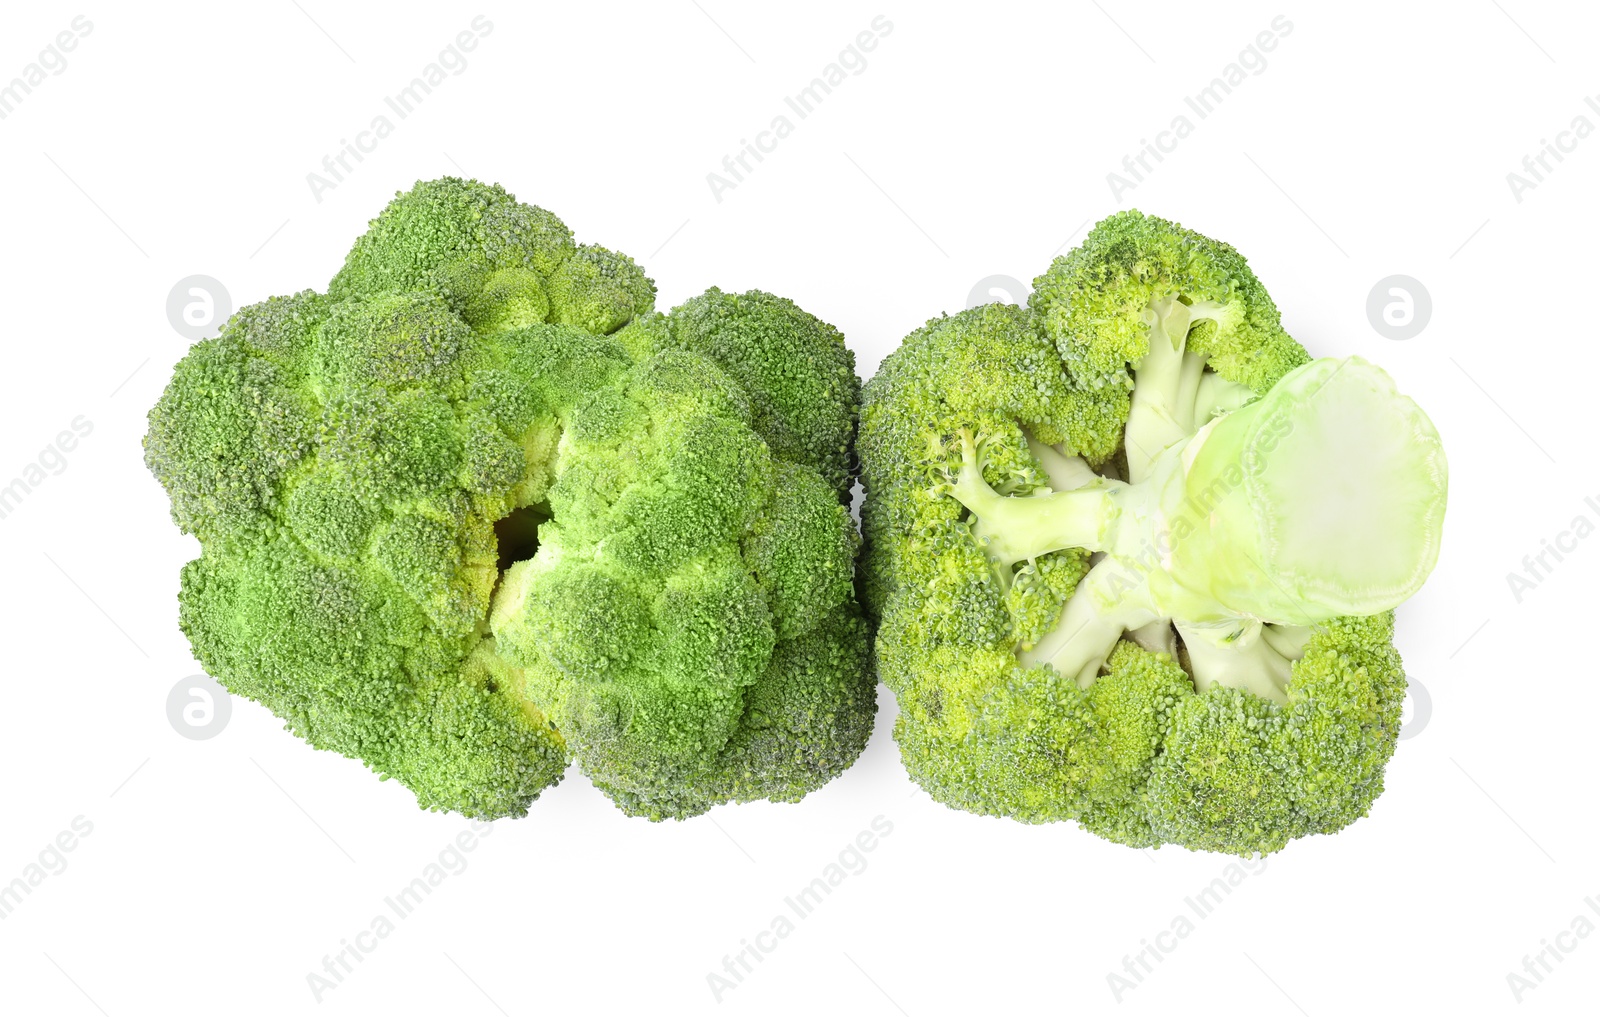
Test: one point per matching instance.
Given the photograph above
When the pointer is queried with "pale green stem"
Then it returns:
(1012, 529)
(1157, 637)
(1335, 509)
(1250, 662)
(1153, 416)
(1174, 395)
(1104, 605)
(1215, 396)
(1065, 472)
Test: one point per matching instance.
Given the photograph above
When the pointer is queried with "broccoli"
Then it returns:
(479, 510)
(1132, 555)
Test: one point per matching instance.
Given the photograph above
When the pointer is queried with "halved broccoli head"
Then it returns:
(1133, 554)
(479, 509)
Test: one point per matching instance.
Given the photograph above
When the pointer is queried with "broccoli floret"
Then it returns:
(801, 377)
(1133, 554)
(453, 528)
(690, 619)
(451, 229)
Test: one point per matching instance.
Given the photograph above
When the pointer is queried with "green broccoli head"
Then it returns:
(453, 434)
(1133, 555)
(690, 618)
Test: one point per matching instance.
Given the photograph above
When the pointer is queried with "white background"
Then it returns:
(975, 142)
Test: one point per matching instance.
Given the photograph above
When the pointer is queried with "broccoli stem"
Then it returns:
(1111, 604)
(1247, 662)
(1173, 393)
(1214, 396)
(1289, 640)
(1157, 637)
(1096, 615)
(1013, 529)
(1155, 417)
(1318, 500)
(1065, 472)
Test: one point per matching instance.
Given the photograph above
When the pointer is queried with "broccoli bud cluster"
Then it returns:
(1133, 555)
(479, 510)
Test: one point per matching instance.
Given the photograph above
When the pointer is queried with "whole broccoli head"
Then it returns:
(1134, 555)
(480, 509)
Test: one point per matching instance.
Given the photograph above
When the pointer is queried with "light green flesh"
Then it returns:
(1350, 502)
(1323, 498)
